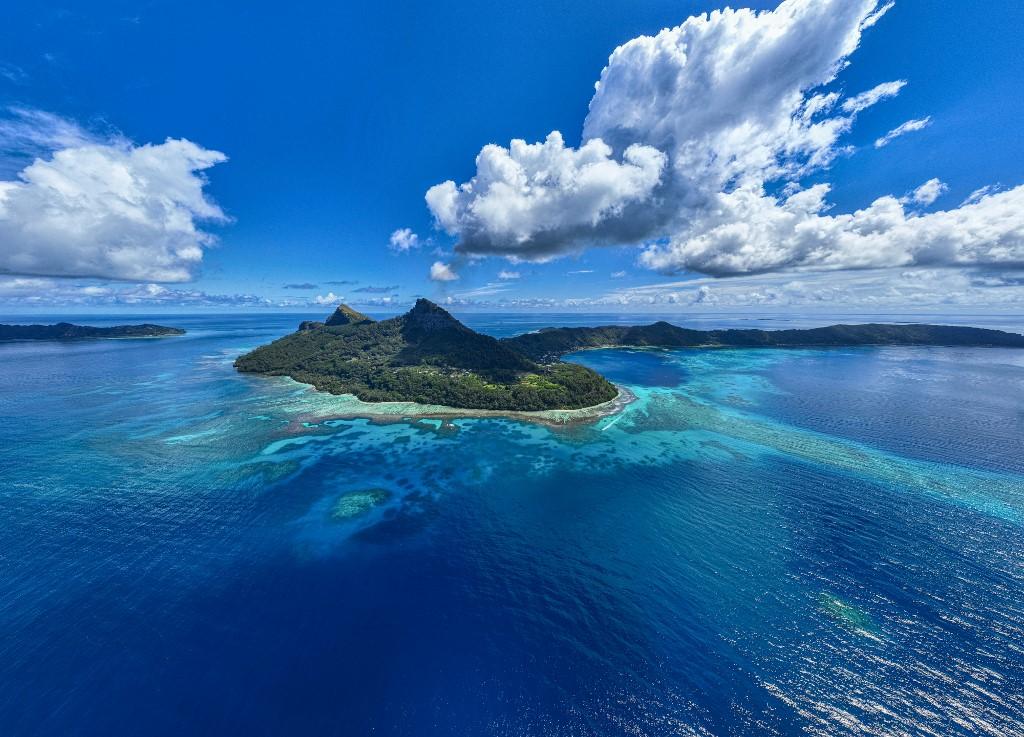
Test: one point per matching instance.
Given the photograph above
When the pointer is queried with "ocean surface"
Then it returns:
(767, 542)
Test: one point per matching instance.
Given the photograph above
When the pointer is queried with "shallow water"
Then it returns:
(765, 542)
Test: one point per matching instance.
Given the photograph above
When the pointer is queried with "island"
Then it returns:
(67, 331)
(424, 356)
(550, 343)
(428, 357)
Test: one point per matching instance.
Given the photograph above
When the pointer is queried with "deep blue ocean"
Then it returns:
(766, 542)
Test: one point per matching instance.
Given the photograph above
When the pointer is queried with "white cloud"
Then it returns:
(866, 99)
(440, 271)
(927, 193)
(877, 15)
(618, 274)
(529, 200)
(868, 290)
(981, 192)
(749, 232)
(26, 134)
(738, 104)
(940, 291)
(486, 290)
(507, 275)
(327, 299)
(727, 99)
(108, 209)
(911, 126)
(34, 291)
(403, 240)
(580, 271)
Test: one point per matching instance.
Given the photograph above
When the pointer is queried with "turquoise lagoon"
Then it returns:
(762, 542)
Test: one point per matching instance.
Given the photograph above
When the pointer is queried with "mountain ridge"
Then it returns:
(427, 356)
(550, 343)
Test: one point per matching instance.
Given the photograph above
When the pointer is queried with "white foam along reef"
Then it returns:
(323, 405)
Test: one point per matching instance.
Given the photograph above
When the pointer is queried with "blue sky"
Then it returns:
(336, 119)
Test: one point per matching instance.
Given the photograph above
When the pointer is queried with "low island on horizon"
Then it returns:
(427, 356)
(68, 331)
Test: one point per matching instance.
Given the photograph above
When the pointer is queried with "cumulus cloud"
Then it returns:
(699, 138)
(404, 239)
(327, 299)
(507, 275)
(911, 126)
(104, 208)
(724, 100)
(749, 232)
(882, 289)
(440, 271)
(531, 200)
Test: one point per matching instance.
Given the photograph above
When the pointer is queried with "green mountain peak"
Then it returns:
(345, 315)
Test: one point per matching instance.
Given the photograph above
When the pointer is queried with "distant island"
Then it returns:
(67, 331)
(550, 343)
(429, 357)
(424, 356)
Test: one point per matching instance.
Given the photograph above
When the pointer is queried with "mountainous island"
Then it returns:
(429, 357)
(424, 356)
(67, 331)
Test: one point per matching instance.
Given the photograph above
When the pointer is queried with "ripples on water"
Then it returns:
(765, 542)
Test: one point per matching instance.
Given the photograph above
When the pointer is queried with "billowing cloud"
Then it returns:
(440, 271)
(108, 209)
(911, 126)
(696, 131)
(531, 200)
(404, 239)
(748, 232)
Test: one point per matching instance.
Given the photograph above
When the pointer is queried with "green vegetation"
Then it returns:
(424, 356)
(345, 315)
(428, 356)
(67, 331)
(550, 343)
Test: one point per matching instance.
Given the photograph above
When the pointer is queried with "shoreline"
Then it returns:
(350, 407)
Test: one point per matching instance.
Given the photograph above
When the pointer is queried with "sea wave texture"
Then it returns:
(777, 542)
